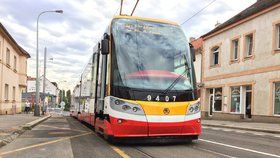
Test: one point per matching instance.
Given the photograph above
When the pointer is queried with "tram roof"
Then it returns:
(145, 19)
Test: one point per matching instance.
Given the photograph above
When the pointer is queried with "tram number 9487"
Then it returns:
(161, 98)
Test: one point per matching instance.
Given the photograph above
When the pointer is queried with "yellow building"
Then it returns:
(241, 66)
(13, 73)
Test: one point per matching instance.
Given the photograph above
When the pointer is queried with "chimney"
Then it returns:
(191, 39)
(217, 24)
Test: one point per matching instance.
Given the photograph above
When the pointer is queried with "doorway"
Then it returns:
(248, 101)
(211, 102)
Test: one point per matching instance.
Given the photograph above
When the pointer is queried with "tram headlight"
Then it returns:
(126, 107)
(193, 108)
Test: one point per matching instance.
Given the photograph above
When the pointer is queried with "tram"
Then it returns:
(140, 82)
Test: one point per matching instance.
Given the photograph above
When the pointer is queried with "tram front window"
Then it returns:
(149, 55)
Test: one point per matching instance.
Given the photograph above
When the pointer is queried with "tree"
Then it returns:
(67, 101)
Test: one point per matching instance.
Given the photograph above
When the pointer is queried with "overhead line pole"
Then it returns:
(134, 7)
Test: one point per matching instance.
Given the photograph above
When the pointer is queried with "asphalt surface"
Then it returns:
(60, 137)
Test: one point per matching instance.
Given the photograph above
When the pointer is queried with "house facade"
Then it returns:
(13, 73)
(241, 66)
(51, 92)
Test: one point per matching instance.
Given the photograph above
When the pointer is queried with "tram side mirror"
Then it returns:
(105, 47)
(192, 52)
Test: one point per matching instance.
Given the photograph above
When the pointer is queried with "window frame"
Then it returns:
(6, 92)
(233, 50)
(14, 93)
(240, 93)
(273, 97)
(211, 57)
(8, 57)
(276, 37)
(15, 63)
(246, 56)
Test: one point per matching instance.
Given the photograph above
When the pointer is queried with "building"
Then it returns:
(198, 47)
(51, 92)
(75, 98)
(241, 66)
(13, 73)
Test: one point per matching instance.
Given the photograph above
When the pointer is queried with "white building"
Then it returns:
(51, 91)
(241, 66)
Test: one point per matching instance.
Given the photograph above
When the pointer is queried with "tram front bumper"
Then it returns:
(131, 128)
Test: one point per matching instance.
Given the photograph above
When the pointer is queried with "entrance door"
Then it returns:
(248, 100)
(211, 104)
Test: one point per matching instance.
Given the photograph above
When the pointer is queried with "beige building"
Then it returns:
(13, 69)
(241, 66)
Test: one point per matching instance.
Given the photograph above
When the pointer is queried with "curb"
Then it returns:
(32, 124)
(243, 128)
(10, 137)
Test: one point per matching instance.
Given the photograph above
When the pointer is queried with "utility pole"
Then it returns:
(80, 95)
(44, 80)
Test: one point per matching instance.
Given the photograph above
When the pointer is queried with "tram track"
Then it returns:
(143, 153)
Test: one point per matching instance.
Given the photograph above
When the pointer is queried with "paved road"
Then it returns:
(60, 137)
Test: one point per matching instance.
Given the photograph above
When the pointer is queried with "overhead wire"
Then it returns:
(198, 12)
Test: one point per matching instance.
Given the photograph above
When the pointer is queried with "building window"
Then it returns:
(235, 99)
(215, 56)
(8, 56)
(277, 99)
(14, 93)
(15, 63)
(6, 92)
(249, 43)
(235, 50)
(278, 36)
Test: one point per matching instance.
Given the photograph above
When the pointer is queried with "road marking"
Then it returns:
(240, 148)
(63, 128)
(119, 151)
(42, 144)
(214, 152)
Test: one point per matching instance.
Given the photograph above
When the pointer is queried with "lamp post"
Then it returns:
(37, 109)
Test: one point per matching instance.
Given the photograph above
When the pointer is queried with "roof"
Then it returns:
(20, 49)
(197, 43)
(257, 7)
(145, 19)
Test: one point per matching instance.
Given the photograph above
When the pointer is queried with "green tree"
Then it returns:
(67, 101)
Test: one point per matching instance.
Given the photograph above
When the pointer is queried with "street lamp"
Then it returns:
(37, 109)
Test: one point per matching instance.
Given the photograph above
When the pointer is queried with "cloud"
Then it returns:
(70, 37)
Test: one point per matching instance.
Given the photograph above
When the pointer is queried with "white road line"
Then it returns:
(240, 148)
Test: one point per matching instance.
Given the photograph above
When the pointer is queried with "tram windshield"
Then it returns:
(150, 55)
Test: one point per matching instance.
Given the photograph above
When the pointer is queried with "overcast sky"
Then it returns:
(69, 37)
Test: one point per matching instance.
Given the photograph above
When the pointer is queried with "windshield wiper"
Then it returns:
(169, 88)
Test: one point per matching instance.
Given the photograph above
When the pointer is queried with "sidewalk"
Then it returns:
(13, 125)
(251, 126)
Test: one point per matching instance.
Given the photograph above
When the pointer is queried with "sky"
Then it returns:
(71, 36)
